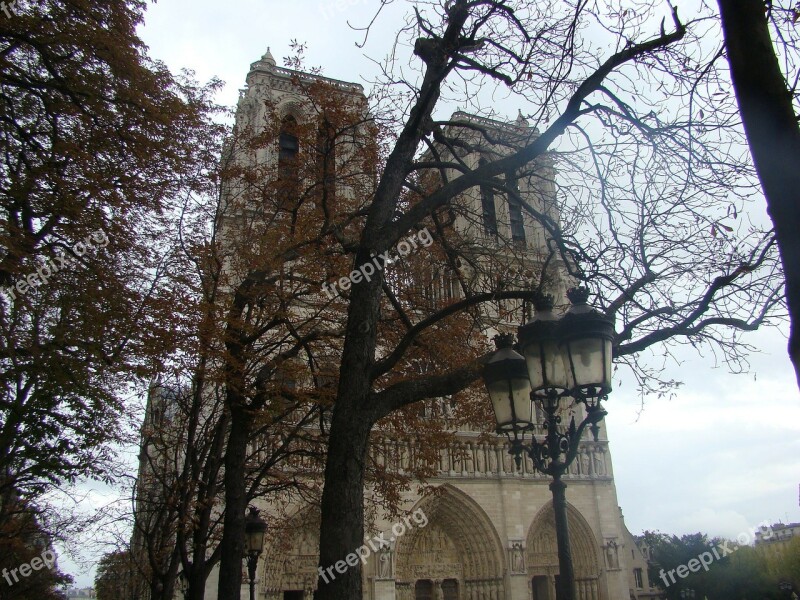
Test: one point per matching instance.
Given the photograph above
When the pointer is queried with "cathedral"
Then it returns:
(484, 528)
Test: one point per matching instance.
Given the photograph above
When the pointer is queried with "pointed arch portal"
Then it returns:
(289, 562)
(543, 555)
(458, 552)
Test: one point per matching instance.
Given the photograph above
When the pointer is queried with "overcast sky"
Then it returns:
(720, 457)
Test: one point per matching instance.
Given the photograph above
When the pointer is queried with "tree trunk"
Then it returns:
(162, 586)
(342, 507)
(200, 565)
(773, 135)
(196, 580)
(342, 510)
(196, 575)
(232, 544)
(342, 526)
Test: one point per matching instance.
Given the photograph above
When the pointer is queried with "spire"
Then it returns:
(268, 58)
(521, 122)
(262, 65)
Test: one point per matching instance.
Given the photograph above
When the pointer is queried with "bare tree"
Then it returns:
(649, 197)
(189, 432)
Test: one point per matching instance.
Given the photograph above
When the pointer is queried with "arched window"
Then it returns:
(326, 159)
(489, 215)
(288, 149)
(515, 209)
(638, 579)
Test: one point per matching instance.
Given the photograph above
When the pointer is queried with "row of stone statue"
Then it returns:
(476, 458)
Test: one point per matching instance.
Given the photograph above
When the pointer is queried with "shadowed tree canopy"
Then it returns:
(98, 143)
(735, 570)
(23, 540)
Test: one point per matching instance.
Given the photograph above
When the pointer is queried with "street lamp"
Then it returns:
(569, 357)
(254, 530)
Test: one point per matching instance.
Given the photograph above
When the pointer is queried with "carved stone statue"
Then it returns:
(517, 559)
(584, 462)
(599, 464)
(612, 554)
(385, 563)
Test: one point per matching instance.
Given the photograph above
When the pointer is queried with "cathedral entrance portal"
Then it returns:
(290, 562)
(543, 556)
(457, 556)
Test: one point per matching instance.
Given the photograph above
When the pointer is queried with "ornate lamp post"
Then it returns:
(254, 530)
(563, 358)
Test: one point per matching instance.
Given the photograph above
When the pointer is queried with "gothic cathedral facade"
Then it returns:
(487, 533)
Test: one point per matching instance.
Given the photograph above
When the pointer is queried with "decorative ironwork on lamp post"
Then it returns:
(569, 357)
(254, 530)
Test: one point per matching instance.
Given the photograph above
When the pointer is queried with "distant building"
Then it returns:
(81, 593)
(641, 588)
(778, 536)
